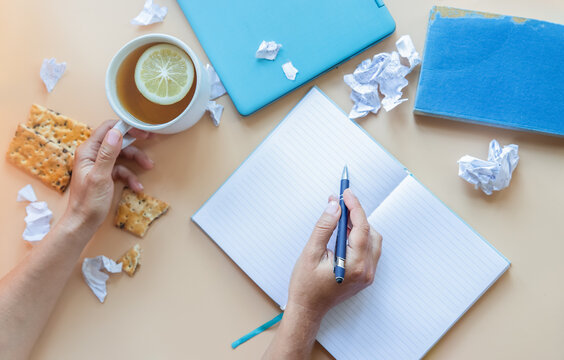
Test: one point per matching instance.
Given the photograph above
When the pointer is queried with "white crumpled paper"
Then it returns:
(406, 49)
(26, 194)
(268, 50)
(38, 219)
(216, 90)
(290, 70)
(383, 74)
(51, 72)
(151, 13)
(216, 85)
(95, 277)
(493, 174)
(215, 110)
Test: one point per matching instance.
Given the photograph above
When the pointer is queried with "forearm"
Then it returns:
(296, 334)
(29, 292)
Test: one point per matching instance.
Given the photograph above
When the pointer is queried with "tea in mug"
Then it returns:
(138, 105)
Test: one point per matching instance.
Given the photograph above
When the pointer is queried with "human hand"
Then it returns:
(313, 289)
(94, 172)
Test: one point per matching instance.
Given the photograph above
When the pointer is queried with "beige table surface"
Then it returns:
(170, 311)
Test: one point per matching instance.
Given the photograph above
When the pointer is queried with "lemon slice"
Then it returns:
(164, 74)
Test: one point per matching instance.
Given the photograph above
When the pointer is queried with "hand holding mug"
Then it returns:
(190, 109)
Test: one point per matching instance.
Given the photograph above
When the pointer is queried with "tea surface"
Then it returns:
(139, 106)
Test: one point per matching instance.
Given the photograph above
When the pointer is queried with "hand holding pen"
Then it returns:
(313, 288)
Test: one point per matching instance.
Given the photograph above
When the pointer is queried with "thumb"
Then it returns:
(108, 153)
(325, 226)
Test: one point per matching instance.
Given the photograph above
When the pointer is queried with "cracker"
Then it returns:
(136, 211)
(58, 128)
(40, 157)
(130, 260)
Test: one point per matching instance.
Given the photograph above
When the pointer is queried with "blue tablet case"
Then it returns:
(316, 35)
(492, 69)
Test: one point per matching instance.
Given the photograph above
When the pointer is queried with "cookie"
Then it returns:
(58, 128)
(136, 211)
(130, 260)
(38, 156)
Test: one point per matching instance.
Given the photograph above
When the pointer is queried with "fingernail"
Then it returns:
(140, 186)
(151, 162)
(349, 189)
(332, 207)
(113, 137)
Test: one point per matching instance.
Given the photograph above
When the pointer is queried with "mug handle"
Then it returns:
(123, 128)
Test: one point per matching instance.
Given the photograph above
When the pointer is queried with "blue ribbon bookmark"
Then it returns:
(257, 331)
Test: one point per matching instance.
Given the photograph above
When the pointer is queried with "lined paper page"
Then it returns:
(264, 214)
(432, 269)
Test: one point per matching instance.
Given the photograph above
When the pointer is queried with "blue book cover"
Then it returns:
(492, 69)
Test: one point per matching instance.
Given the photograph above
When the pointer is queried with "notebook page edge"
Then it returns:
(507, 265)
(209, 236)
(294, 109)
(462, 220)
(365, 132)
(501, 268)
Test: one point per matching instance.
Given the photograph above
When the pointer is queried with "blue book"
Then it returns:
(492, 69)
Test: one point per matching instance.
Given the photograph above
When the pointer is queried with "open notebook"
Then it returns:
(433, 265)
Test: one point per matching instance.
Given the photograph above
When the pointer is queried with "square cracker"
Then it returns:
(58, 128)
(40, 157)
(136, 211)
(130, 260)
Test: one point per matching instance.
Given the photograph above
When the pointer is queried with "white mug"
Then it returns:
(190, 116)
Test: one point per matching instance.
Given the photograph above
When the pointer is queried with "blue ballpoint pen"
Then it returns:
(341, 244)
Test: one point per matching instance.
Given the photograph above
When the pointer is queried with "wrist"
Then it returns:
(79, 215)
(75, 225)
(296, 335)
(67, 238)
(306, 316)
